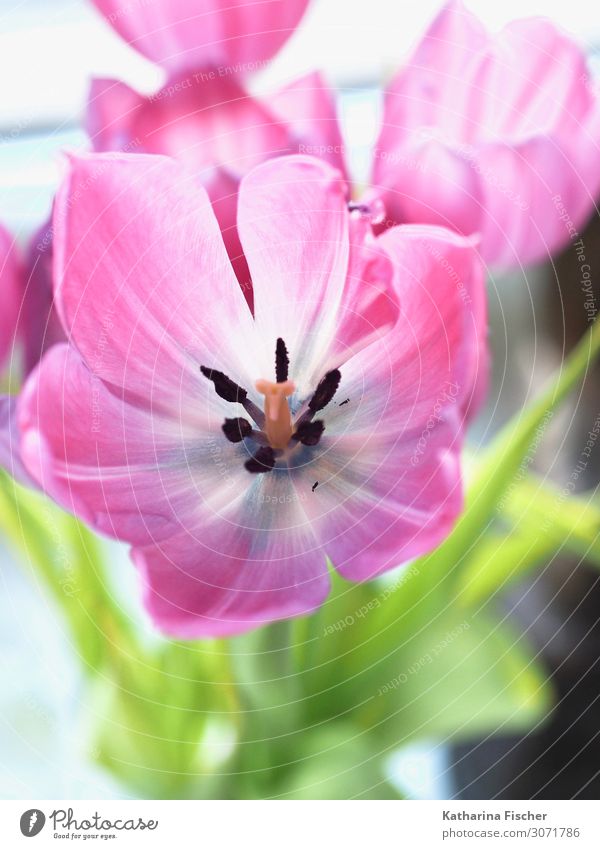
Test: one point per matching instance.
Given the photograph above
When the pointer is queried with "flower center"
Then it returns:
(277, 432)
(278, 416)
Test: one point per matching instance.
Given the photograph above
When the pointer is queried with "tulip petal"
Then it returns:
(110, 117)
(369, 306)
(382, 502)
(213, 125)
(434, 77)
(129, 473)
(39, 324)
(447, 259)
(144, 285)
(388, 473)
(10, 286)
(235, 36)
(530, 80)
(10, 453)
(258, 563)
(428, 182)
(293, 225)
(530, 186)
(207, 124)
(308, 108)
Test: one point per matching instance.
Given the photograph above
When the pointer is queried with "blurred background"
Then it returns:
(48, 52)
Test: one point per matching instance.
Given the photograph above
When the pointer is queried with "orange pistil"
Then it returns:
(278, 417)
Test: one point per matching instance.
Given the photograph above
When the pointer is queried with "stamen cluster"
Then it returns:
(276, 432)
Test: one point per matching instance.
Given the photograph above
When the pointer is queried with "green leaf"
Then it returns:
(70, 562)
(167, 720)
(499, 560)
(462, 677)
(405, 661)
(546, 522)
(339, 761)
(509, 456)
(539, 507)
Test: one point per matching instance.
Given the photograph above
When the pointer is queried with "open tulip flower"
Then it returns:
(492, 135)
(243, 452)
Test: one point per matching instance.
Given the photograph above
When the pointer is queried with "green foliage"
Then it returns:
(416, 664)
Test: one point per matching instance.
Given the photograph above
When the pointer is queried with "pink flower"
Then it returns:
(237, 451)
(10, 453)
(233, 35)
(39, 325)
(492, 135)
(203, 114)
(28, 322)
(10, 286)
(216, 127)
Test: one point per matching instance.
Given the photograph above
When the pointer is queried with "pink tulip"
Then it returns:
(235, 450)
(10, 452)
(213, 125)
(492, 135)
(39, 325)
(10, 282)
(28, 321)
(236, 36)
(10, 286)
(203, 114)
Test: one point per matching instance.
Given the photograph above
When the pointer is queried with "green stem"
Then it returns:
(483, 567)
(69, 560)
(537, 507)
(508, 451)
(278, 647)
(510, 446)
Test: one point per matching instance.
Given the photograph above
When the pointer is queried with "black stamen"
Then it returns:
(254, 412)
(364, 208)
(315, 485)
(325, 391)
(309, 433)
(224, 386)
(263, 461)
(236, 429)
(347, 401)
(282, 362)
